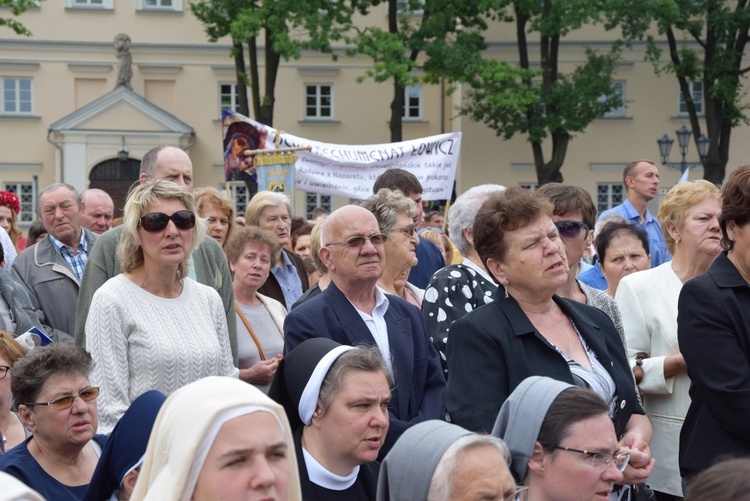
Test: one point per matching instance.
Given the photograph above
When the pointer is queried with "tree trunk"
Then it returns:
(273, 59)
(397, 113)
(241, 73)
(550, 172)
(254, 78)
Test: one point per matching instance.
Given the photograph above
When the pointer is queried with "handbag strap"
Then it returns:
(250, 330)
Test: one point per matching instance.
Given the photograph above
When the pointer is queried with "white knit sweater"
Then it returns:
(142, 342)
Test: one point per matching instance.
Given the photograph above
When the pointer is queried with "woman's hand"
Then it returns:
(641, 463)
(262, 372)
(674, 364)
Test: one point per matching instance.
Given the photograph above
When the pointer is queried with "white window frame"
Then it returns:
(696, 89)
(233, 96)
(318, 107)
(313, 200)
(402, 5)
(27, 196)
(620, 111)
(90, 4)
(609, 195)
(143, 6)
(406, 116)
(5, 81)
(238, 195)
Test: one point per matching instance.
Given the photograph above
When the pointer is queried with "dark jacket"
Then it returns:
(713, 329)
(430, 261)
(418, 393)
(495, 347)
(272, 288)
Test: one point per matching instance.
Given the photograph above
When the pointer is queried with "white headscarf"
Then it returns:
(182, 432)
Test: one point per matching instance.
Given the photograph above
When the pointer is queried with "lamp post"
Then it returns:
(683, 139)
(123, 154)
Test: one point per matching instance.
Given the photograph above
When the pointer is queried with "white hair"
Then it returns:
(464, 210)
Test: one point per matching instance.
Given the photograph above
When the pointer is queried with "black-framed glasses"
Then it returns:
(601, 460)
(358, 242)
(4, 370)
(571, 229)
(157, 221)
(64, 402)
(409, 229)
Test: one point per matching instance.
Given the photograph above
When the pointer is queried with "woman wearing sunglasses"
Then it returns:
(57, 403)
(528, 330)
(563, 444)
(153, 327)
(395, 213)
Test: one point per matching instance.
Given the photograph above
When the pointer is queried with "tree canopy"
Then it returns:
(17, 7)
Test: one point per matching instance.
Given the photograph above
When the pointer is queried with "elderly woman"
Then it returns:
(218, 213)
(10, 206)
(441, 462)
(713, 315)
(152, 327)
(17, 313)
(12, 429)
(288, 279)
(219, 436)
(260, 319)
(528, 330)
(622, 249)
(336, 398)
(394, 213)
(574, 215)
(563, 444)
(689, 217)
(460, 288)
(57, 403)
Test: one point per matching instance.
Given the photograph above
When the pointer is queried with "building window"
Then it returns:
(319, 101)
(239, 196)
(411, 7)
(413, 102)
(313, 200)
(159, 5)
(529, 186)
(18, 94)
(228, 98)
(696, 89)
(608, 195)
(27, 196)
(89, 4)
(619, 112)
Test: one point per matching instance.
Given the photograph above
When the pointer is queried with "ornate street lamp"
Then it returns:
(123, 154)
(683, 140)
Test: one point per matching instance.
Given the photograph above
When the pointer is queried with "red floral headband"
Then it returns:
(10, 200)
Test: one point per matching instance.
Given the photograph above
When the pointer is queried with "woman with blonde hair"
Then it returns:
(153, 327)
(218, 212)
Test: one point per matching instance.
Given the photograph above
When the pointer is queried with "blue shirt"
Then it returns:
(77, 262)
(289, 281)
(657, 245)
(594, 277)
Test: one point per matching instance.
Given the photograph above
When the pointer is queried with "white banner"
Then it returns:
(351, 170)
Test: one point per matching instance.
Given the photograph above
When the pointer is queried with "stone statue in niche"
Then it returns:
(124, 61)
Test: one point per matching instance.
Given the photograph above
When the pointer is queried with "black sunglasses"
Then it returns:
(157, 221)
(570, 229)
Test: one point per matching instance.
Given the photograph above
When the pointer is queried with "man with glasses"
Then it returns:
(209, 264)
(51, 270)
(352, 311)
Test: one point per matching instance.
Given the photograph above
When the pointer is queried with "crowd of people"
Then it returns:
(185, 352)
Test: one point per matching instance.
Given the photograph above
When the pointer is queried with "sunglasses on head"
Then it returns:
(570, 229)
(157, 221)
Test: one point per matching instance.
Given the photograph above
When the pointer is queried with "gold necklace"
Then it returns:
(567, 335)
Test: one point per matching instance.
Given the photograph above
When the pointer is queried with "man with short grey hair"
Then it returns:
(97, 210)
(209, 263)
(51, 270)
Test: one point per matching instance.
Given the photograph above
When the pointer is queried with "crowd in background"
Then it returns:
(518, 346)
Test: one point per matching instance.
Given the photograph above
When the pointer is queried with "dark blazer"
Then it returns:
(368, 474)
(418, 392)
(713, 329)
(495, 347)
(272, 288)
(430, 261)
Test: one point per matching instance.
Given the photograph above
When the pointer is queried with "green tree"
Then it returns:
(17, 7)
(706, 40)
(533, 96)
(425, 40)
(272, 31)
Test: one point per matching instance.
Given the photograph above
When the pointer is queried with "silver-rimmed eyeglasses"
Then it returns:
(358, 241)
(601, 460)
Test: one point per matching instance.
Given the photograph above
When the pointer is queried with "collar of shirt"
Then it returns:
(633, 214)
(474, 266)
(59, 246)
(288, 265)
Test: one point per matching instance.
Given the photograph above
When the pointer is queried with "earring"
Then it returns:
(506, 291)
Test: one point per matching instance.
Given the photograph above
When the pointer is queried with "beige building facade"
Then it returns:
(63, 118)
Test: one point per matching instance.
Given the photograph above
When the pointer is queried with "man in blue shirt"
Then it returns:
(641, 180)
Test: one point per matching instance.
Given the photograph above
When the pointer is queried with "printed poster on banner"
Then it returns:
(349, 170)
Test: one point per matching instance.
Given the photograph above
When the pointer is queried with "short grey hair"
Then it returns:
(463, 212)
(264, 199)
(441, 486)
(386, 205)
(129, 250)
(150, 160)
(609, 218)
(55, 186)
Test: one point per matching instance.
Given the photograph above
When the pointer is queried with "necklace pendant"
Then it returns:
(5, 439)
